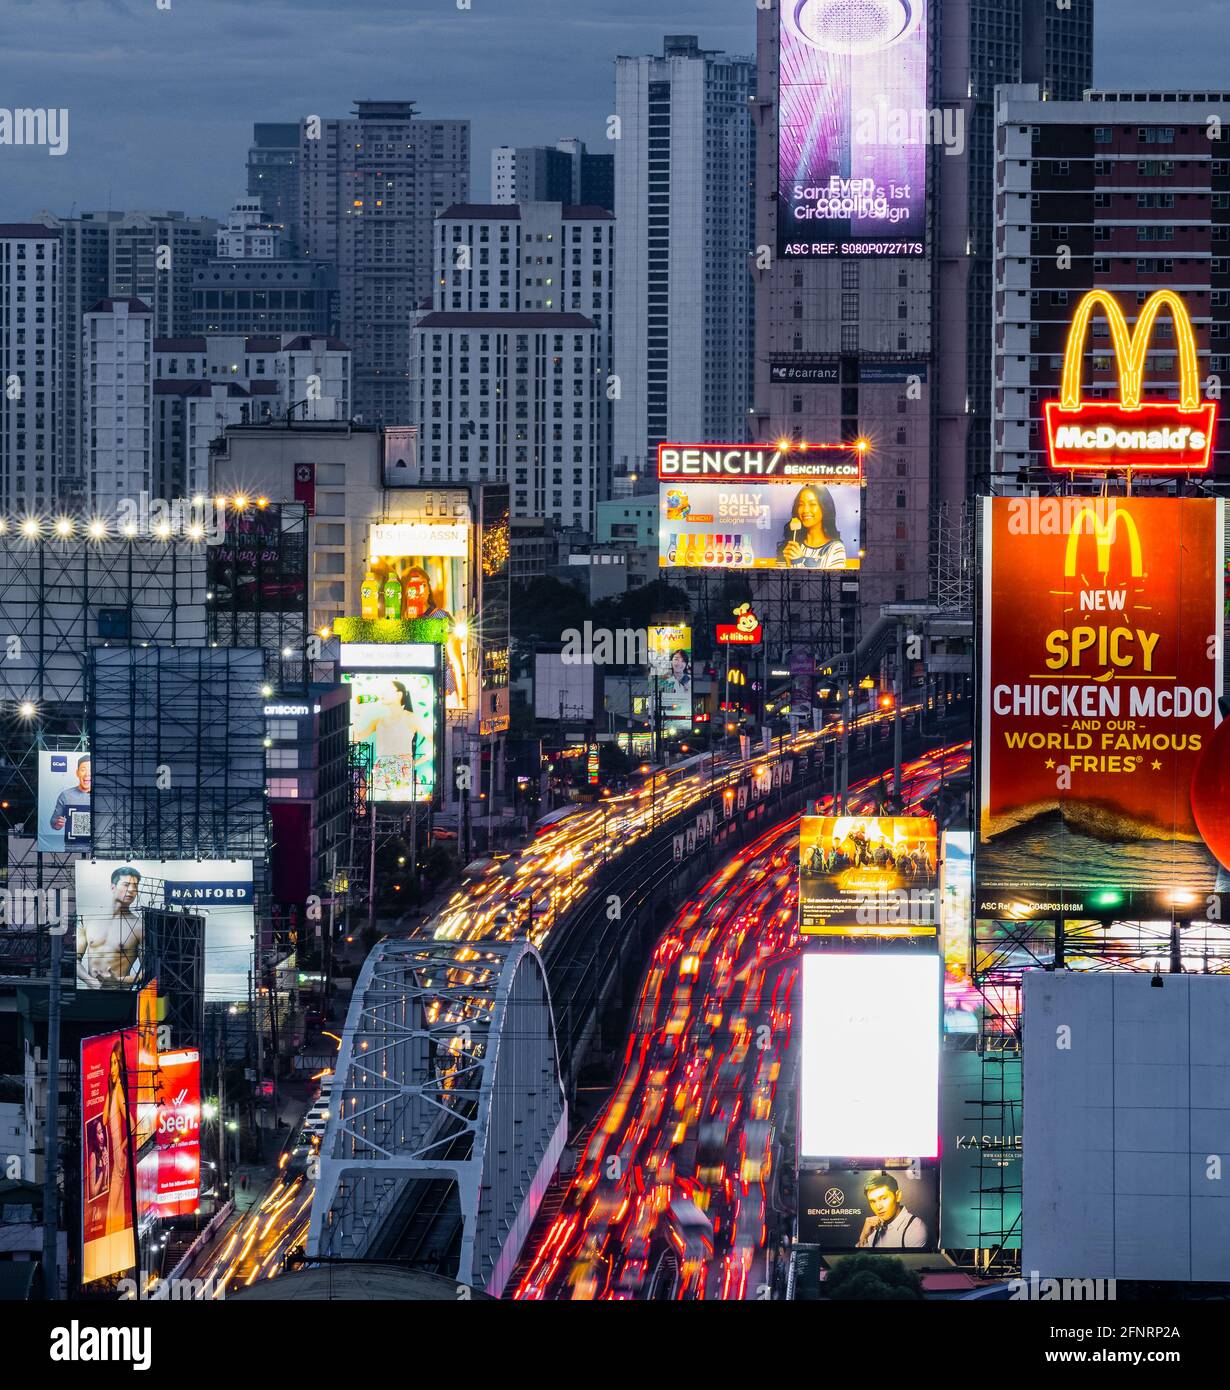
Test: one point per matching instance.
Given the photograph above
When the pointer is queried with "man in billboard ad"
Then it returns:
(740, 525)
(872, 1209)
(1101, 623)
(64, 781)
(867, 875)
(110, 929)
(854, 129)
(111, 897)
(108, 1244)
(395, 713)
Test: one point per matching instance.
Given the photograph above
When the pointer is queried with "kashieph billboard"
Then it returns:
(853, 129)
(753, 525)
(1101, 627)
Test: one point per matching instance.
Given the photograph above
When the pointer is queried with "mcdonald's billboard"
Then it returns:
(1100, 664)
(1136, 435)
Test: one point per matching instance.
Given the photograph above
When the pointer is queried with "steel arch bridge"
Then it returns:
(447, 1115)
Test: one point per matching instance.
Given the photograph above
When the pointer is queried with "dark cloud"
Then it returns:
(161, 102)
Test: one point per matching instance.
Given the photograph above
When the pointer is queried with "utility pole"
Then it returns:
(848, 707)
(51, 1142)
(898, 692)
(371, 870)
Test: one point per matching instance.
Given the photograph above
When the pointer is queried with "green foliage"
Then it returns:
(876, 1278)
(544, 609)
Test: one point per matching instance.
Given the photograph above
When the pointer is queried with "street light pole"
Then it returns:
(898, 688)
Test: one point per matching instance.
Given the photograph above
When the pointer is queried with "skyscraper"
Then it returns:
(563, 173)
(371, 185)
(117, 401)
(861, 339)
(30, 342)
(273, 173)
(683, 294)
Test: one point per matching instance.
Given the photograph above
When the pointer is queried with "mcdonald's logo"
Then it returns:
(1131, 433)
(1104, 533)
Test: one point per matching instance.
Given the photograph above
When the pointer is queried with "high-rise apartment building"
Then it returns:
(117, 400)
(897, 348)
(683, 291)
(563, 173)
(1127, 192)
(512, 361)
(31, 337)
(372, 183)
(273, 173)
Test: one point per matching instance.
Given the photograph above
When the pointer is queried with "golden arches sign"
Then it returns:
(1104, 534)
(1130, 347)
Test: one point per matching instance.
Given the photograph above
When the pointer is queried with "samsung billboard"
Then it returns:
(854, 129)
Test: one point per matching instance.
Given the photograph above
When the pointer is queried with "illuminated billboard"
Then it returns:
(783, 462)
(670, 669)
(983, 1145)
(178, 1135)
(261, 564)
(870, 1209)
(395, 713)
(853, 129)
(1131, 433)
(111, 895)
(1101, 666)
(870, 1055)
(418, 570)
(108, 1180)
(867, 876)
(742, 525)
(64, 781)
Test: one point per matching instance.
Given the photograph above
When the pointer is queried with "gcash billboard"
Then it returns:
(1131, 433)
(1101, 665)
(853, 129)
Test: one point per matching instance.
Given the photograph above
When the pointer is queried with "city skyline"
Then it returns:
(201, 91)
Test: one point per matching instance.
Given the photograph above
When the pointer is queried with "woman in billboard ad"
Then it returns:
(810, 539)
(107, 1224)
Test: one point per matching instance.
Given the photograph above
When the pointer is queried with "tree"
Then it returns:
(874, 1278)
(544, 609)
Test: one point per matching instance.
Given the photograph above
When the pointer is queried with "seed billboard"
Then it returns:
(1101, 664)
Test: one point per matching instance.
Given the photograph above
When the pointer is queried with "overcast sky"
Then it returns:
(161, 101)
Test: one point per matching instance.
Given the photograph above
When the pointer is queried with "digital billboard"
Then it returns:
(1101, 663)
(670, 669)
(983, 1144)
(111, 895)
(64, 781)
(261, 565)
(870, 1055)
(853, 129)
(419, 570)
(108, 1181)
(395, 713)
(178, 1135)
(867, 875)
(753, 525)
(962, 1000)
(872, 1209)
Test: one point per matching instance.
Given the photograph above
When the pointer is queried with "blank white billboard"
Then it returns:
(1127, 1126)
(871, 1049)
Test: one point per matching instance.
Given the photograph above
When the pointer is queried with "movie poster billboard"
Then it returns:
(64, 781)
(670, 670)
(1101, 666)
(889, 1210)
(394, 711)
(111, 896)
(178, 1137)
(751, 525)
(108, 1186)
(983, 1145)
(853, 129)
(867, 875)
